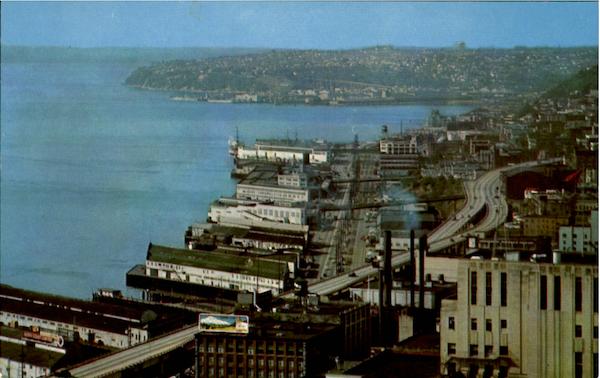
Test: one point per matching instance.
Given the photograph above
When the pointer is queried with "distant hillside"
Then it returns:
(381, 72)
(582, 82)
(140, 56)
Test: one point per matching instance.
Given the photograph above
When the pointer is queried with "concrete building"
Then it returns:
(585, 206)
(286, 151)
(300, 338)
(521, 319)
(398, 155)
(261, 185)
(230, 209)
(542, 225)
(219, 269)
(353, 319)
(274, 193)
(576, 239)
(294, 180)
(433, 293)
(399, 146)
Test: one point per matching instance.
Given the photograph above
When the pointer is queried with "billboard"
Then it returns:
(223, 323)
(44, 338)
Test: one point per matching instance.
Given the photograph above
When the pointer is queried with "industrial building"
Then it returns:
(209, 236)
(434, 291)
(231, 209)
(521, 319)
(399, 145)
(73, 319)
(268, 192)
(270, 348)
(219, 269)
(286, 151)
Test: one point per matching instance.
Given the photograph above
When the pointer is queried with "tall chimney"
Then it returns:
(411, 272)
(422, 249)
(381, 308)
(388, 269)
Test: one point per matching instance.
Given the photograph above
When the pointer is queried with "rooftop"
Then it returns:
(110, 317)
(253, 265)
(266, 325)
(233, 202)
(294, 143)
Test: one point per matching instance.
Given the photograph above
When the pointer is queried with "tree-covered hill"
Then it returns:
(582, 82)
(385, 71)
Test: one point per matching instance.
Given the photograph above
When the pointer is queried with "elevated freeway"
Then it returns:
(482, 196)
(136, 355)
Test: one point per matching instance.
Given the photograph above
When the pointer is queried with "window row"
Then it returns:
(489, 289)
(488, 324)
(474, 350)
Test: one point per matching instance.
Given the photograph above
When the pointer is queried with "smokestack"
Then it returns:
(422, 249)
(381, 308)
(411, 272)
(388, 269)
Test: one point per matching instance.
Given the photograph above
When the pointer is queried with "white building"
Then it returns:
(18, 360)
(399, 146)
(575, 239)
(521, 319)
(70, 319)
(581, 239)
(285, 151)
(228, 209)
(221, 270)
(274, 193)
(294, 180)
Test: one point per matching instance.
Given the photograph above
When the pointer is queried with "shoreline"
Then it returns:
(187, 96)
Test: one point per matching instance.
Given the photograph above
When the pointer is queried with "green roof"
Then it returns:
(268, 267)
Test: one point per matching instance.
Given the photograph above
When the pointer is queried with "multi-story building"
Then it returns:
(235, 208)
(521, 319)
(294, 180)
(576, 239)
(267, 192)
(543, 225)
(353, 318)
(263, 185)
(585, 206)
(399, 146)
(270, 348)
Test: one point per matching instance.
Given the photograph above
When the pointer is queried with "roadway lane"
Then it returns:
(481, 193)
(137, 354)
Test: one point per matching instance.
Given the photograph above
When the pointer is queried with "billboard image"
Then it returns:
(223, 323)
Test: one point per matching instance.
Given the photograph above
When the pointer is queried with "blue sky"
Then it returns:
(298, 24)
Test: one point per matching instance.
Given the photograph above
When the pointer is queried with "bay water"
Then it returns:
(92, 171)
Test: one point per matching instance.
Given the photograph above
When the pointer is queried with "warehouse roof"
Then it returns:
(220, 261)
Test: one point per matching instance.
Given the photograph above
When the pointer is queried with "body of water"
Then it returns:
(92, 171)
